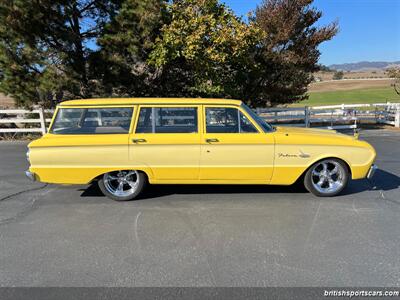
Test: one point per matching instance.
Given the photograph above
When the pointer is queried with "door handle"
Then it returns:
(212, 140)
(139, 141)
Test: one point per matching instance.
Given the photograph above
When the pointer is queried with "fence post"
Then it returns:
(306, 117)
(397, 117)
(42, 120)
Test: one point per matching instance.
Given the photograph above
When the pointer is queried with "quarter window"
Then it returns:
(167, 120)
(227, 120)
(92, 120)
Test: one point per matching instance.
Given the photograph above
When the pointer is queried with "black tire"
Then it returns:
(141, 184)
(309, 178)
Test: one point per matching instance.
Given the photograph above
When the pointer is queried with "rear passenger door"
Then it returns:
(166, 139)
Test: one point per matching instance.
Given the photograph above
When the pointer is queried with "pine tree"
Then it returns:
(46, 47)
(288, 54)
(126, 43)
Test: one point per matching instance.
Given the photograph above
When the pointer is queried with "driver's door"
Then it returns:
(234, 147)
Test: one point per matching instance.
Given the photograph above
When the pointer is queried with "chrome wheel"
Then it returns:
(121, 183)
(328, 176)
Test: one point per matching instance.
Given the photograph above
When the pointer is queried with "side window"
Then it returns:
(167, 120)
(245, 125)
(227, 120)
(92, 120)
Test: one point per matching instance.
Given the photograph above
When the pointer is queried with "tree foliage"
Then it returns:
(338, 75)
(324, 68)
(53, 50)
(394, 73)
(126, 43)
(207, 45)
(43, 47)
(288, 53)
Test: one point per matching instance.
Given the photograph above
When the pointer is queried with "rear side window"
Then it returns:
(227, 120)
(167, 120)
(92, 120)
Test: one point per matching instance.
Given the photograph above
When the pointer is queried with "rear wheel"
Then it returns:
(122, 185)
(327, 178)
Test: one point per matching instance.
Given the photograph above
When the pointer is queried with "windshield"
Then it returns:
(260, 121)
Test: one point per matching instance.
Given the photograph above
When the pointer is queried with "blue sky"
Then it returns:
(369, 29)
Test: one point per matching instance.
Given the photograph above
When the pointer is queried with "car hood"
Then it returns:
(311, 136)
(312, 131)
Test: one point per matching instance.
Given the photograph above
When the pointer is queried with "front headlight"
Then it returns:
(27, 155)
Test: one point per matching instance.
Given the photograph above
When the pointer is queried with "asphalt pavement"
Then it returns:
(52, 235)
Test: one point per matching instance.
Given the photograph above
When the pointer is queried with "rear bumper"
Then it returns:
(30, 175)
(372, 171)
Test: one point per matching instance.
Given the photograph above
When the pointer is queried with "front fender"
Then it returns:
(292, 161)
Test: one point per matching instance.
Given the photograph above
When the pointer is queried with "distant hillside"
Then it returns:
(364, 66)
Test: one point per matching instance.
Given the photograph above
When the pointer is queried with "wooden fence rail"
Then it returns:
(331, 117)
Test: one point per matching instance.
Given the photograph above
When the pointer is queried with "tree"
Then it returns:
(45, 47)
(288, 54)
(338, 75)
(203, 50)
(324, 68)
(126, 43)
(395, 73)
(54, 50)
(212, 53)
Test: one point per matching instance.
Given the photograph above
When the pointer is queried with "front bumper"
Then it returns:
(371, 171)
(30, 175)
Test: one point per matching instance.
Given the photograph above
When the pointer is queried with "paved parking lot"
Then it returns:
(201, 235)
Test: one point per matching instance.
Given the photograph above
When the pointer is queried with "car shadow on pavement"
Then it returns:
(160, 190)
(385, 181)
(382, 180)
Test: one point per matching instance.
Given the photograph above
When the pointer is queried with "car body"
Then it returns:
(187, 141)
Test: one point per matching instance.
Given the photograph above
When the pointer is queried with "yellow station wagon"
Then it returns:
(123, 144)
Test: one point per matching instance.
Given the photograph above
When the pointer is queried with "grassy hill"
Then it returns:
(366, 95)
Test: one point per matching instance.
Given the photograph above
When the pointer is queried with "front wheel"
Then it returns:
(122, 185)
(327, 178)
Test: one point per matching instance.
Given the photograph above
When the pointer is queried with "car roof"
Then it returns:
(127, 101)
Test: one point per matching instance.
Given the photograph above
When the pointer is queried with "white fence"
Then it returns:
(13, 120)
(333, 117)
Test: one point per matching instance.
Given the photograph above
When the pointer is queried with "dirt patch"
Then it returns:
(6, 102)
(349, 84)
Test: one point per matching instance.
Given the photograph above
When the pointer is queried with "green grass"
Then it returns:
(350, 97)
